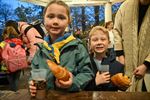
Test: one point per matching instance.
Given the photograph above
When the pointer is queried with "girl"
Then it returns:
(9, 34)
(73, 54)
(103, 65)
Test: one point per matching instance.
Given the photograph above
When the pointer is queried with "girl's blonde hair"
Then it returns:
(59, 2)
(9, 32)
(99, 28)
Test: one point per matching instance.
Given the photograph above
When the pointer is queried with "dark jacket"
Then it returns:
(74, 57)
(114, 68)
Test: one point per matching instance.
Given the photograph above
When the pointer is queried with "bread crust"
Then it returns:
(120, 80)
(58, 71)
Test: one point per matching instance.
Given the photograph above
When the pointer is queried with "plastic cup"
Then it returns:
(39, 79)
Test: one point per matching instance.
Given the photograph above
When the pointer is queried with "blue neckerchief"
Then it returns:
(47, 38)
(63, 37)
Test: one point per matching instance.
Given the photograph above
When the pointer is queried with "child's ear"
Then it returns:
(109, 42)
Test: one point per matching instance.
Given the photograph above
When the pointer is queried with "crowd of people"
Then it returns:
(119, 48)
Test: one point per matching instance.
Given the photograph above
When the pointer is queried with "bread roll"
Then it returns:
(59, 72)
(120, 80)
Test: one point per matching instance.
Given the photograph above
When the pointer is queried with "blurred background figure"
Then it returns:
(8, 34)
(77, 33)
(132, 36)
(29, 36)
(109, 26)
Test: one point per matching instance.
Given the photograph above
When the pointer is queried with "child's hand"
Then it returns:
(32, 88)
(102, 78)
(65, 84)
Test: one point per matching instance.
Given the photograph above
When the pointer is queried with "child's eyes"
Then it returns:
(95, 39)
(61, 17)
(103, 39)
(50, 16)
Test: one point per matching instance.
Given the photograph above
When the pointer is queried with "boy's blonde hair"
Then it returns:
(99, 28)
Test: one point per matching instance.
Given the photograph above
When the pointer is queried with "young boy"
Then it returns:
(104, 66)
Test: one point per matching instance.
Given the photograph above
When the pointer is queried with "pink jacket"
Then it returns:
(30, 38)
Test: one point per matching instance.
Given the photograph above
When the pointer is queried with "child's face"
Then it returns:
(99, 42)
(56, 19)
(110, 26)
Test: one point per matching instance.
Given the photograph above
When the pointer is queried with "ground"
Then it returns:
(23, 82)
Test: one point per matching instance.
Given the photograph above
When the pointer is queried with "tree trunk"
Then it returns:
(96, 11)
(83, 20)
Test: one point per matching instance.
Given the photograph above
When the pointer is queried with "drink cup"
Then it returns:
(101, 68)
(39, 79)
(104, 68)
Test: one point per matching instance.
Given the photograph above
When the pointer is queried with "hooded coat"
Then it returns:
(74, 57)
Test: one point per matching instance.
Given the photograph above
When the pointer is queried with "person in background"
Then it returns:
(78, 33)
(109, 26)
(29, 38)
(73, 55)
(13, 77)
(132, 35)
(104, 66)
